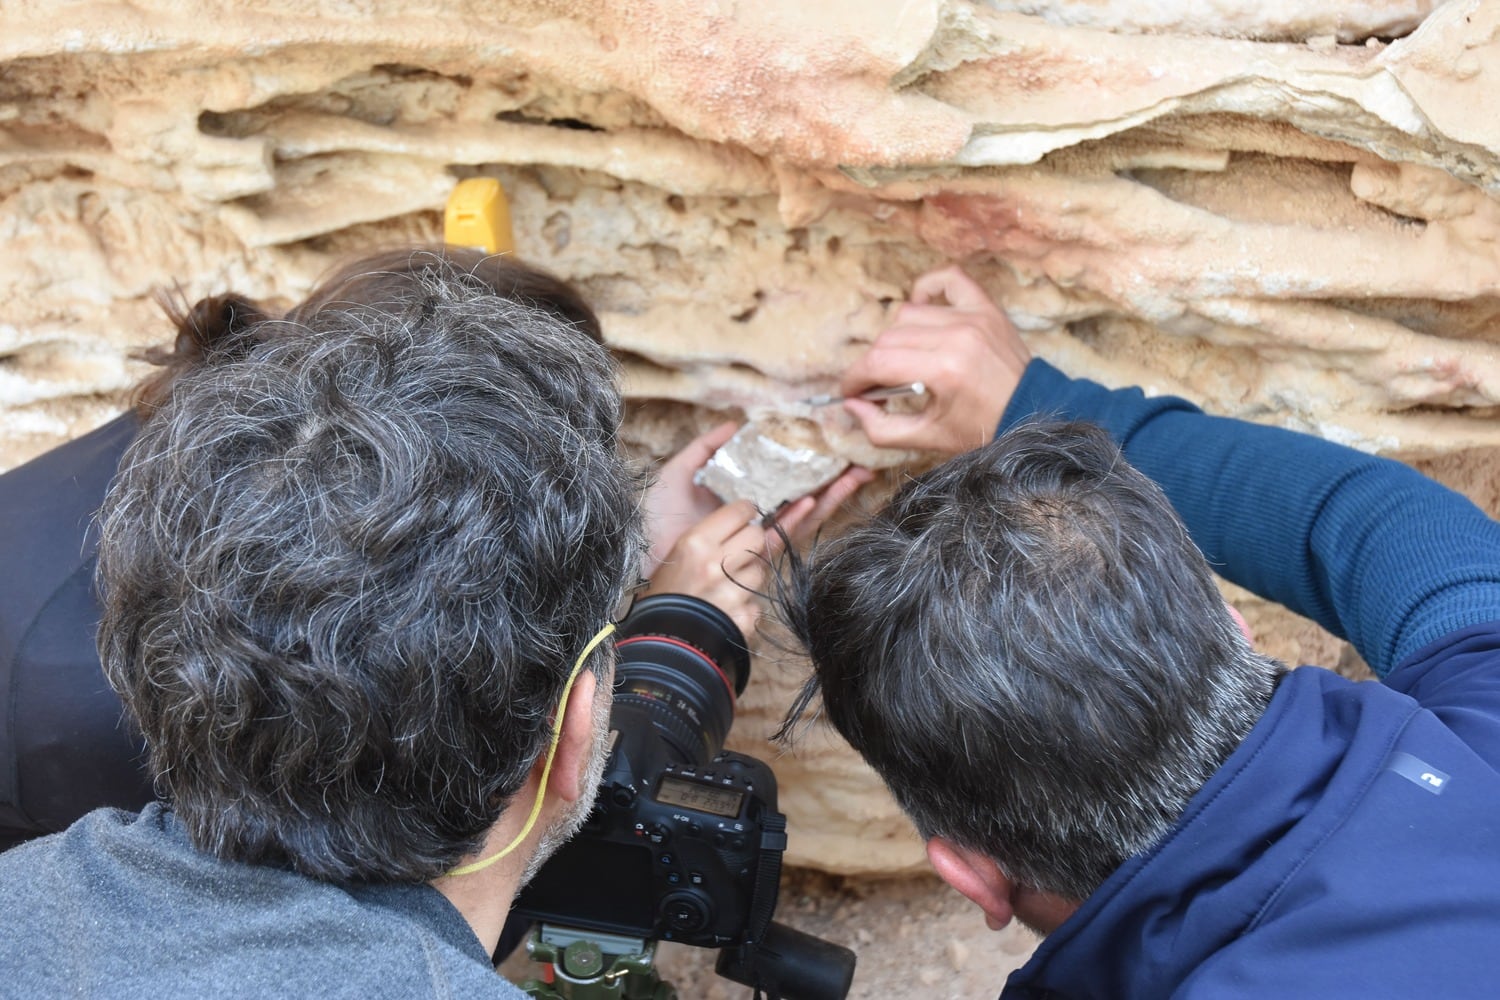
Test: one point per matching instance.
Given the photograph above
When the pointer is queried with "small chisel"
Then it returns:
(873, 395)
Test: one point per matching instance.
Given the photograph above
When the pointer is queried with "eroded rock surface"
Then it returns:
(1286, 212)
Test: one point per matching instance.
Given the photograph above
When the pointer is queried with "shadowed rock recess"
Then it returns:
(1283, 211)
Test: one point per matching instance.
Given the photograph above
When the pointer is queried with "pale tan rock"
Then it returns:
(1284, 211)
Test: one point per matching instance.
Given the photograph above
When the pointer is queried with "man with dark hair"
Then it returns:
(1027, 645)
(357, 576)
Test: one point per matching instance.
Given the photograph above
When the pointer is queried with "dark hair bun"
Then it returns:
(215, 325)
(215, 329)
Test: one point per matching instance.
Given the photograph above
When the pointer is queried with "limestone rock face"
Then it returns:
(1288, 212)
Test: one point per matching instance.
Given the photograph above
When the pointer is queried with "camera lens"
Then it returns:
(683, 662)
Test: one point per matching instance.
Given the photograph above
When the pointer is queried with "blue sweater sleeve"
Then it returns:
(1372, 550)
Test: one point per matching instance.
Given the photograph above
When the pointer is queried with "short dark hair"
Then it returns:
(226, 323)
(1031, 652)
(346, 572)
(393, 275)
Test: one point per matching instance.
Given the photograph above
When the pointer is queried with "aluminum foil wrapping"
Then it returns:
(768, 472)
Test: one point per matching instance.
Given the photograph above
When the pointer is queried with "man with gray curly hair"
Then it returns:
(357, 572)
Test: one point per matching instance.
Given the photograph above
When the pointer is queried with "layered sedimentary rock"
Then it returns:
(1285, 212)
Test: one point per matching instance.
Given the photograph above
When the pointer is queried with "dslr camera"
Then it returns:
(684, 841)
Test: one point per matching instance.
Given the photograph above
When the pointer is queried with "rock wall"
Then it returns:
(1287, 212)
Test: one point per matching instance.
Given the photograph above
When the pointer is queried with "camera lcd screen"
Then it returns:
(704, 798)
(595, 884)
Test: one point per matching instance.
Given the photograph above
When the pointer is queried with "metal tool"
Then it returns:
(873, 395)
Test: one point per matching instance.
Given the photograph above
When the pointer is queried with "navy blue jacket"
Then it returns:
(1350, 847)
(65, 747)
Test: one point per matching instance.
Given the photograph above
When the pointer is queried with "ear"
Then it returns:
(1239, 620)
(974, 875)
(576, 744)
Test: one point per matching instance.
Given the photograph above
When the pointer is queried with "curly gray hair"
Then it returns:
(347, 570)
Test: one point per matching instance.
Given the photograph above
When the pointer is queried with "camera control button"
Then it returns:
(622, 796)
(673, 878)
(667, 860)
(658, 834)
(696, 878)
(686, 910)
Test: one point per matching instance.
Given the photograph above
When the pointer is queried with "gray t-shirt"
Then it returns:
(122, 905)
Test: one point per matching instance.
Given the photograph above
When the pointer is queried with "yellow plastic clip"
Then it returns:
(478, 216)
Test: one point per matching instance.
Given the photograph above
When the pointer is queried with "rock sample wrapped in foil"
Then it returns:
(771, 461)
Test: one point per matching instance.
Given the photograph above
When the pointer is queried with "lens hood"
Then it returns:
(697, 623)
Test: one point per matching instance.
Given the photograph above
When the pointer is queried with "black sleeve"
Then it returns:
(64, 746)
